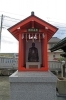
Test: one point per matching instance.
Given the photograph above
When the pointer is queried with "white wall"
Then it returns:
(50, 55)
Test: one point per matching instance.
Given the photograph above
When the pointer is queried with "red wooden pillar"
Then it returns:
(21, 54)
(42, 52)
(24, 52)
(45, 56)
(43, 61)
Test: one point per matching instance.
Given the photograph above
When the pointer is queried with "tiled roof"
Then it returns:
(60, 45)
(54, 40)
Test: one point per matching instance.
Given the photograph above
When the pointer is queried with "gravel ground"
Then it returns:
(4, 89)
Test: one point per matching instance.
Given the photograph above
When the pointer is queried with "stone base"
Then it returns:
(32, 64)
(32, 86)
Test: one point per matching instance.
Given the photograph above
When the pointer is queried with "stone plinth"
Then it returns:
(32, 64)
(32, 86)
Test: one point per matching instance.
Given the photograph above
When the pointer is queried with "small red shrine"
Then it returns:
(36, 30)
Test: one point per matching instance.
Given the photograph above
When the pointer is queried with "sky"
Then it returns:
(49, 10)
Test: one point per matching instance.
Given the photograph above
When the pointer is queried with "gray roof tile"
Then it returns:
(54, 40)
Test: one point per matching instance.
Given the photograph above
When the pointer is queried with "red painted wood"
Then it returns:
(20, 24)
(24, 52)
(51, 27)
(35, 18)
(19, 56)
(42, 51)
(21, 53)
(25, 23)
(32, 22)
(45, 53)
(33, 69)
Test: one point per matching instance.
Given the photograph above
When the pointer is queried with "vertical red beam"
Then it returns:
(24, 52)
(20, 58)
(42, 52)
(45, 53)
(43, 61)
(20, 48)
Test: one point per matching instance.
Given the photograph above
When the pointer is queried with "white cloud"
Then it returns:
(8, 43)
(54, 9)
(49, 10)
(9, 48)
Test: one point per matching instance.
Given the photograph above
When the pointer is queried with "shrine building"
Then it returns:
(28, 31)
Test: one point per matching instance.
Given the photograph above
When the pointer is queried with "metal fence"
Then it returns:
(54, 65)
(12, 63)
(9, 63)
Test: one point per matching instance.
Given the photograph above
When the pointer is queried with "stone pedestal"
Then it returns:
(32, 86)
(32, 63)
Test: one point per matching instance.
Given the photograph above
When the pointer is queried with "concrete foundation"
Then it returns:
(32, 86)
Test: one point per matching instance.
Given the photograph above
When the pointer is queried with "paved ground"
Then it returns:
(4, 89)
